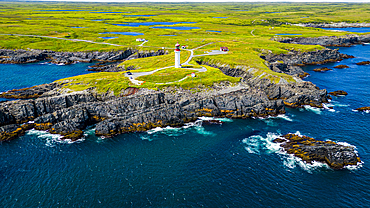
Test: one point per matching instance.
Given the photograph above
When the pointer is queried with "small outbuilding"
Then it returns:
(224, 49)
(183, 47)
(140, 40)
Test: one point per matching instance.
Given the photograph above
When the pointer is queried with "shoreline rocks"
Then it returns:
(140, 110)
(363, 63)
(338, 93)
(21, 56)
(363, 109)
(342, 66)
(309, 150)
(342, 41)
(334, 25)
(323, 69)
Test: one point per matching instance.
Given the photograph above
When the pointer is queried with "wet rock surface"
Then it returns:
(363, 109)
(342, 66)
(309, 150)
(363, 63)
(323, 69)
(338, 92)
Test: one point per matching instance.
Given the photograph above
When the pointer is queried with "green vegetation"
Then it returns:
(247, 29)
(154, 62)
(102, 81)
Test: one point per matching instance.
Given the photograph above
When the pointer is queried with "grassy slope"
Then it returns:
(247, 31)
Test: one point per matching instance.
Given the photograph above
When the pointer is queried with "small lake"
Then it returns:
(108, 38)
(351, 29)
(176, 28)
(99, 19)
(287, 34)
(215, 31)
(137, 24)
(124, 33)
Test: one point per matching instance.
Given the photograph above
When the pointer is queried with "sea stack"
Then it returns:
(177, 56)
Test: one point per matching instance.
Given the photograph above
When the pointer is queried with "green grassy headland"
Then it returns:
(246, 29)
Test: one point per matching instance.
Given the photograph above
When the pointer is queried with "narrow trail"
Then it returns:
(135, 75)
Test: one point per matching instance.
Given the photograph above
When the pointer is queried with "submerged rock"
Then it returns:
(363, 109)
(323, 69)
(338, 92)
(308, 149)
(342, 66)
(363, 63)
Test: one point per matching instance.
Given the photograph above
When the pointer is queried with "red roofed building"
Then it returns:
(224, 49)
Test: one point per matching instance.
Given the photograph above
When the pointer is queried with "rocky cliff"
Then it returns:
(343, 41)
(141, 109)
(8, 56)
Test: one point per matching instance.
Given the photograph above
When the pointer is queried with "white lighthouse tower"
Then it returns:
(177, 56)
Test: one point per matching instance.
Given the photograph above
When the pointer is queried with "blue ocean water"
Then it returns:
(351, 29)
(230, 165)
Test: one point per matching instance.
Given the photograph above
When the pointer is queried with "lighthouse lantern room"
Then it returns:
(177, 56)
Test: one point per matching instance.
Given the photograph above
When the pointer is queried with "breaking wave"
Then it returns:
(51, 139)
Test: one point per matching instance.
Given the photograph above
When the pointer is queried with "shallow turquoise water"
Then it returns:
(231, 165)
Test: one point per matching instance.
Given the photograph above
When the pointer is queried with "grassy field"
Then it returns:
(246, 28)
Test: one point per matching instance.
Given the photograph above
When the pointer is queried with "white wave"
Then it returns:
(61, 64)
(52, 139)
(313, 109)
(291, 162)
(217, 119)
(176, 131)
(354, 167)
(285, 117)
(327, 107)
(257, 144)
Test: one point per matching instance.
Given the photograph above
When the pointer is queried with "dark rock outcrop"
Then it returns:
(342, 66)
(343, 41)
(338, 92)
(309, 150)
(31, 92)
(323, 69)
(306, 58)
(363, 63)
(363, 109)
(29, 56)
(13, 131)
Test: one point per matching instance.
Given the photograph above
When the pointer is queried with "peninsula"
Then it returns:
(239, 62)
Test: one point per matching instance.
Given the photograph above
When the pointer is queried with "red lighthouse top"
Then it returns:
(177, 47)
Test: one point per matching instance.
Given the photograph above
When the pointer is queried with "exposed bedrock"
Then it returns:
(308, 149)
(328, 40)
(139, 110)
(8, 56)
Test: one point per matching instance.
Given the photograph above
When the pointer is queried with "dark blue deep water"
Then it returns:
(232, 165)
